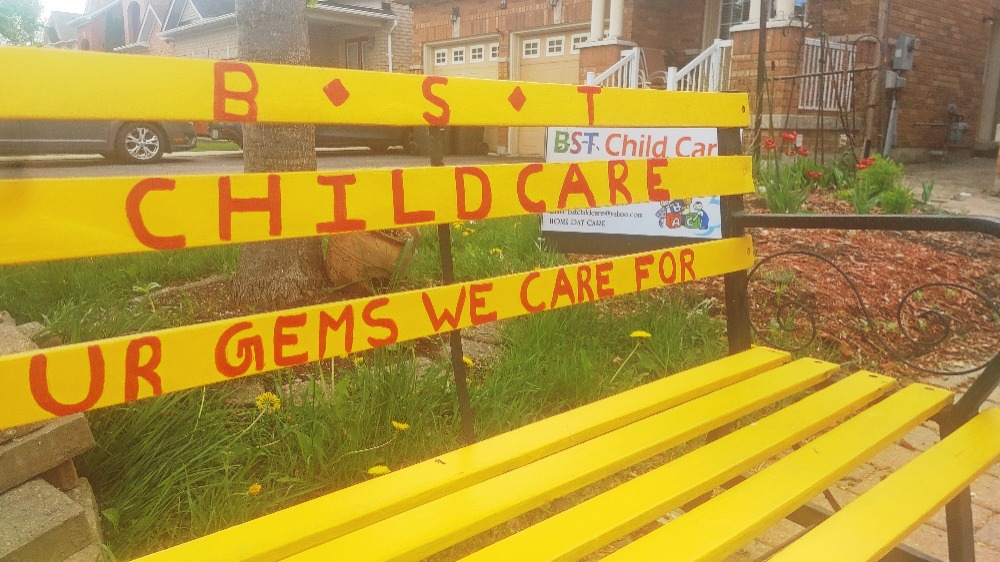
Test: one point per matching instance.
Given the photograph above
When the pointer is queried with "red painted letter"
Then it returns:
(477, 301)
(574, 183)
(601, 271)
(340, 222)
(249, 350)
(524, 293)
(487, 194)
(399, 212)
(616, 183)
(436, 120)
(328, 322)
(641, 263)
(39, 383)
(591, 91)
(223, 93)
(133, 370)
(282, 339)
(563, 288)
(654, 180)
(448, 316)
(687, 265)
(270, 205)
(522, 184)
(134, 214)
(386, 323)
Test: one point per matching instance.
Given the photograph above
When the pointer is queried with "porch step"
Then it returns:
(38, 522)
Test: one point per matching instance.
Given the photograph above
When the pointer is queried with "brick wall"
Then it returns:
(219, 43)
(948, 67)
(671, 27)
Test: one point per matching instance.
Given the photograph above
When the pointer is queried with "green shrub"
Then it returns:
(896, 201)
(883, 174)
(784, 187)
(863, 198)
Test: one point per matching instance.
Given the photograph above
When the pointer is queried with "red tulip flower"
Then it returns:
(769, 144)
(814, 175)
(803, 151)
(789, 136)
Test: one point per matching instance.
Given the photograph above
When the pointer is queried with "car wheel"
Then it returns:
(139, 143)
(483, 149)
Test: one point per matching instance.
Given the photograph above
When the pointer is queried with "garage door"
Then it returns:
(476, 59)
(550, 57)
(472, 59)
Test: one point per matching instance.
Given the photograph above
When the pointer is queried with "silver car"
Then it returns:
(133, 142)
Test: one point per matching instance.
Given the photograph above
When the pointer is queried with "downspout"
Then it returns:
(395, 22)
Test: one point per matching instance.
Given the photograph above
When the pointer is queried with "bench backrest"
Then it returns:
(89, 217)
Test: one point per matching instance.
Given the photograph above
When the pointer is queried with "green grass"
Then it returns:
(169, 469)
(86, 299)
(205, 145)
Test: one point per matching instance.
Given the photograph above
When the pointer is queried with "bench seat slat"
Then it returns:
(292, 530)
(603, 519)
(868, 527)
(727, 522)
(434, 526)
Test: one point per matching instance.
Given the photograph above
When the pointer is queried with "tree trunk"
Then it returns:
(276, 274)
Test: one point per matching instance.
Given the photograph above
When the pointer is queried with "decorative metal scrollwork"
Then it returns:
(927, 317)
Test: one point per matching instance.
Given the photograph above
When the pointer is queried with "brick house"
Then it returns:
(841, 101)
(364, 34)
(127, 26)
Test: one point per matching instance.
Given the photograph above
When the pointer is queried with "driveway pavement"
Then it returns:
(64, 166)
(960, 186)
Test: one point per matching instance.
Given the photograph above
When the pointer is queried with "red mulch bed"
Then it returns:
(885, 267)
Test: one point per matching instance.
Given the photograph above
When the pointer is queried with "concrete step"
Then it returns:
(38, 522)
(58, 441)
(92, 553)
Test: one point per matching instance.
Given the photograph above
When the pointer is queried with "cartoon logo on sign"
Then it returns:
(678, 213)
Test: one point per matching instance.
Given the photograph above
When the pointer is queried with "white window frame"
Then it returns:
(472, 53)
(559, 40)
(494, 51)
(536, 43)
(574, 44)
(440, 57)
(454, 55)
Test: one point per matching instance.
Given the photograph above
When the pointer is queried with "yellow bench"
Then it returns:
(833, 422)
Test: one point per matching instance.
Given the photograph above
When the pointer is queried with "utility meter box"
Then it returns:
(902, 58)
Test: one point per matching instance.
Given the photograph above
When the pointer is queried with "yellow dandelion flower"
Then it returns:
(400, 425)
(255, 489)
(457, 225)
(496, 252)
(359, 360)
(468, 361)
(268, 402)
(378, 470)
(466, 233)
(640, 334)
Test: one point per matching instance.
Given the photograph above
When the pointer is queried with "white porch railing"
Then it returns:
(707, 72)
(834, 90)
(622, 74)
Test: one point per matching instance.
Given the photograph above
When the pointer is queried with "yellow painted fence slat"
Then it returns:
(434, 526)
(59, 381)
(62, 84)
(722, 526)
(869, 527)
(583, 529)
(67, 218)
(298, 528)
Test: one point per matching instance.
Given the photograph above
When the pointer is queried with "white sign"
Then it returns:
(698, 217)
